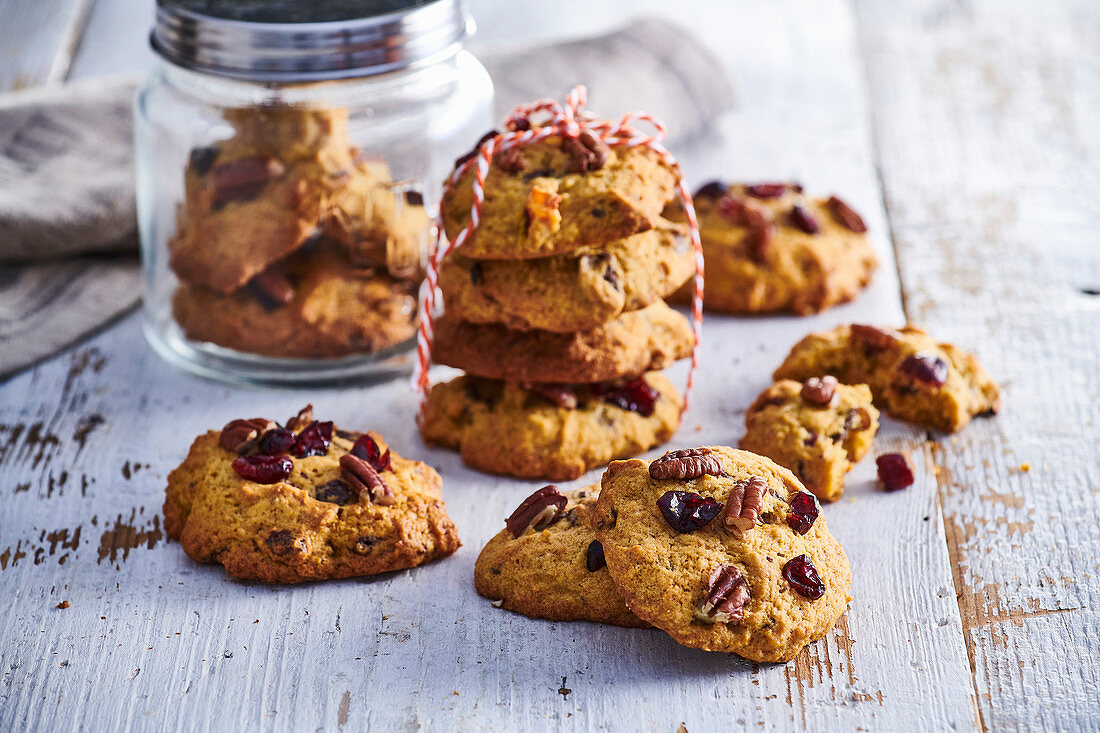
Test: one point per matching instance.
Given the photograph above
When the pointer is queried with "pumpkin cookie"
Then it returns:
(911, 376)
(723, 550)
(313, 304)
(635, 342)
(546, 563)
(770, 248)
(550, 431)
(304, 502)
(577, 291)
(557, 195)
(817, 429)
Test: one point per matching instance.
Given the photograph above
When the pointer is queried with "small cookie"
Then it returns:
(769, 248)
(635, 342)
(304, 502)
(554, 568)
(553, 432)
(723, 550)
(323, 307)
(259, 189)
(557, 195)
(577, 291)
(911, 376)
(818, 430)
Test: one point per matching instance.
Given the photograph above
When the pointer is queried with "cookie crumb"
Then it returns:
(63, 605)
(1025, 467)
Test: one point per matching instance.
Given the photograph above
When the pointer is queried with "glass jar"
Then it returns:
(290, 157)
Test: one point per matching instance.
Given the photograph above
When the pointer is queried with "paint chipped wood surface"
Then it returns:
(974, 590)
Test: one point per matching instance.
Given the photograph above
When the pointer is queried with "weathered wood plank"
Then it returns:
(988, 139)
(153, 641)
(38, 39)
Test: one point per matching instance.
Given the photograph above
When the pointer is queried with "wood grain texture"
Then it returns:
(989, 148)
(38, 39)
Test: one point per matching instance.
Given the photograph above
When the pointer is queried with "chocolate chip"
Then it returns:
(202, 160)
(335, 492)
(476, 275)
(594, 557)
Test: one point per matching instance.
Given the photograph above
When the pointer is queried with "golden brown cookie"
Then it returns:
(306, 502)
(328, 309)
(635, 342)
(553, 432)
(911, 376)
(553, 569)
(770, 248)
(818, 430)
(742, 564)
(577, 291)
(552, 197)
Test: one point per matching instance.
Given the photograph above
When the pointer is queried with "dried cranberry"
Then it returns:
(471, 154)
(276, 441)
(803, 512)
(802, 576)
(686, 511)
(711, 190)
(804, 220)
(367, 449)
(313, 441)
(263, 469)
(766, 190)
(635, 395)
(927, 368)
(594, 558)
(894, 471)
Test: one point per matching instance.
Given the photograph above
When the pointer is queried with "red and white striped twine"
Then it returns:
(568, 121)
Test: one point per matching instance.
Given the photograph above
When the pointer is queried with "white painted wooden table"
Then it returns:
(969, 136)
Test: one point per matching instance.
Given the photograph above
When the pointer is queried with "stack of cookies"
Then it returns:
(290, 243)
(554, 310)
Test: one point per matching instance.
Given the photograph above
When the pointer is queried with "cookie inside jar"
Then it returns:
(291, 242)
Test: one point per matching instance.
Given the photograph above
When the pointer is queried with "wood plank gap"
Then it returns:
(70, 42)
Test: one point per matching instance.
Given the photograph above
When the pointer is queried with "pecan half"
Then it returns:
(556, 394)
(726, 596)
(766, 190)
(361, 476)
(542, 208)
(272, 288)
(588, 151)
(743, 505)
(303, 418)
(686, 463)
(846, 215)
(243, 178)
(241, 435)
(819, 390)
(872, 338)
(537, 511)
(803, 219)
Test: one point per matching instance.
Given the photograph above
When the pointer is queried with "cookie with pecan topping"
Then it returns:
(635, 342)
(552, 196)
(912, 376)
(818, 436)
(304, 502)
(577, 291)
(717, 586)
(554, 572)
(533, 431)
(769, 248)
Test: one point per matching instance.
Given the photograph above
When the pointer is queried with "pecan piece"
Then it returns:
(272, 288)
(243, 178)
(803, 219)
(303, 418)
(241, 436)
(556, 394)
(857, 419)
(537, 511)
(686, 463)
(588, 151)
(362, 477)
(819, 390)
(766, 190)
(542, 208)
(743, 505)
(872, 338)
(846, 215)
(726, 596)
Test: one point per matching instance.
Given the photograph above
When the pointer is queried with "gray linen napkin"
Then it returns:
(67, 223)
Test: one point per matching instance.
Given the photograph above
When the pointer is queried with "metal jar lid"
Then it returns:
(294, 41)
